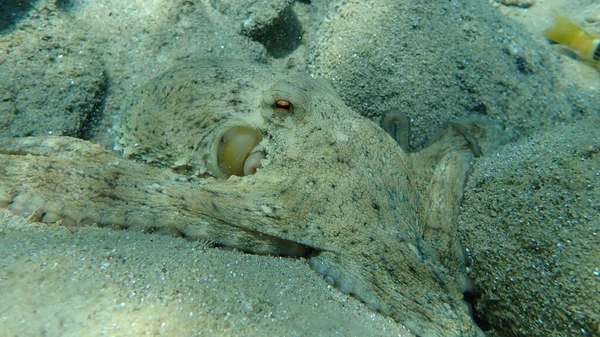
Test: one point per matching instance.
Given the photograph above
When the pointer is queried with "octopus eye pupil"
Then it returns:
(283, 107)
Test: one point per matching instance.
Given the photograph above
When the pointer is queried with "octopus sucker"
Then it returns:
(317, 180)
(233, 152)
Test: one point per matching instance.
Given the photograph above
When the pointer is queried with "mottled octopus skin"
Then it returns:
(335, 187)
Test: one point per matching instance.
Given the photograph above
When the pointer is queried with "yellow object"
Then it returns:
(584, 44)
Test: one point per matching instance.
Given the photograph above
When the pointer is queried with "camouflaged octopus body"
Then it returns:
(334, 186)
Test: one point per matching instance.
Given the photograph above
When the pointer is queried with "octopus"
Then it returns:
(269, 163)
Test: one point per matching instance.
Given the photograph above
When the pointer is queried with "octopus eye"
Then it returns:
(283, 107)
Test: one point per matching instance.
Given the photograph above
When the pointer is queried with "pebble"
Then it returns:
(518, 3)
